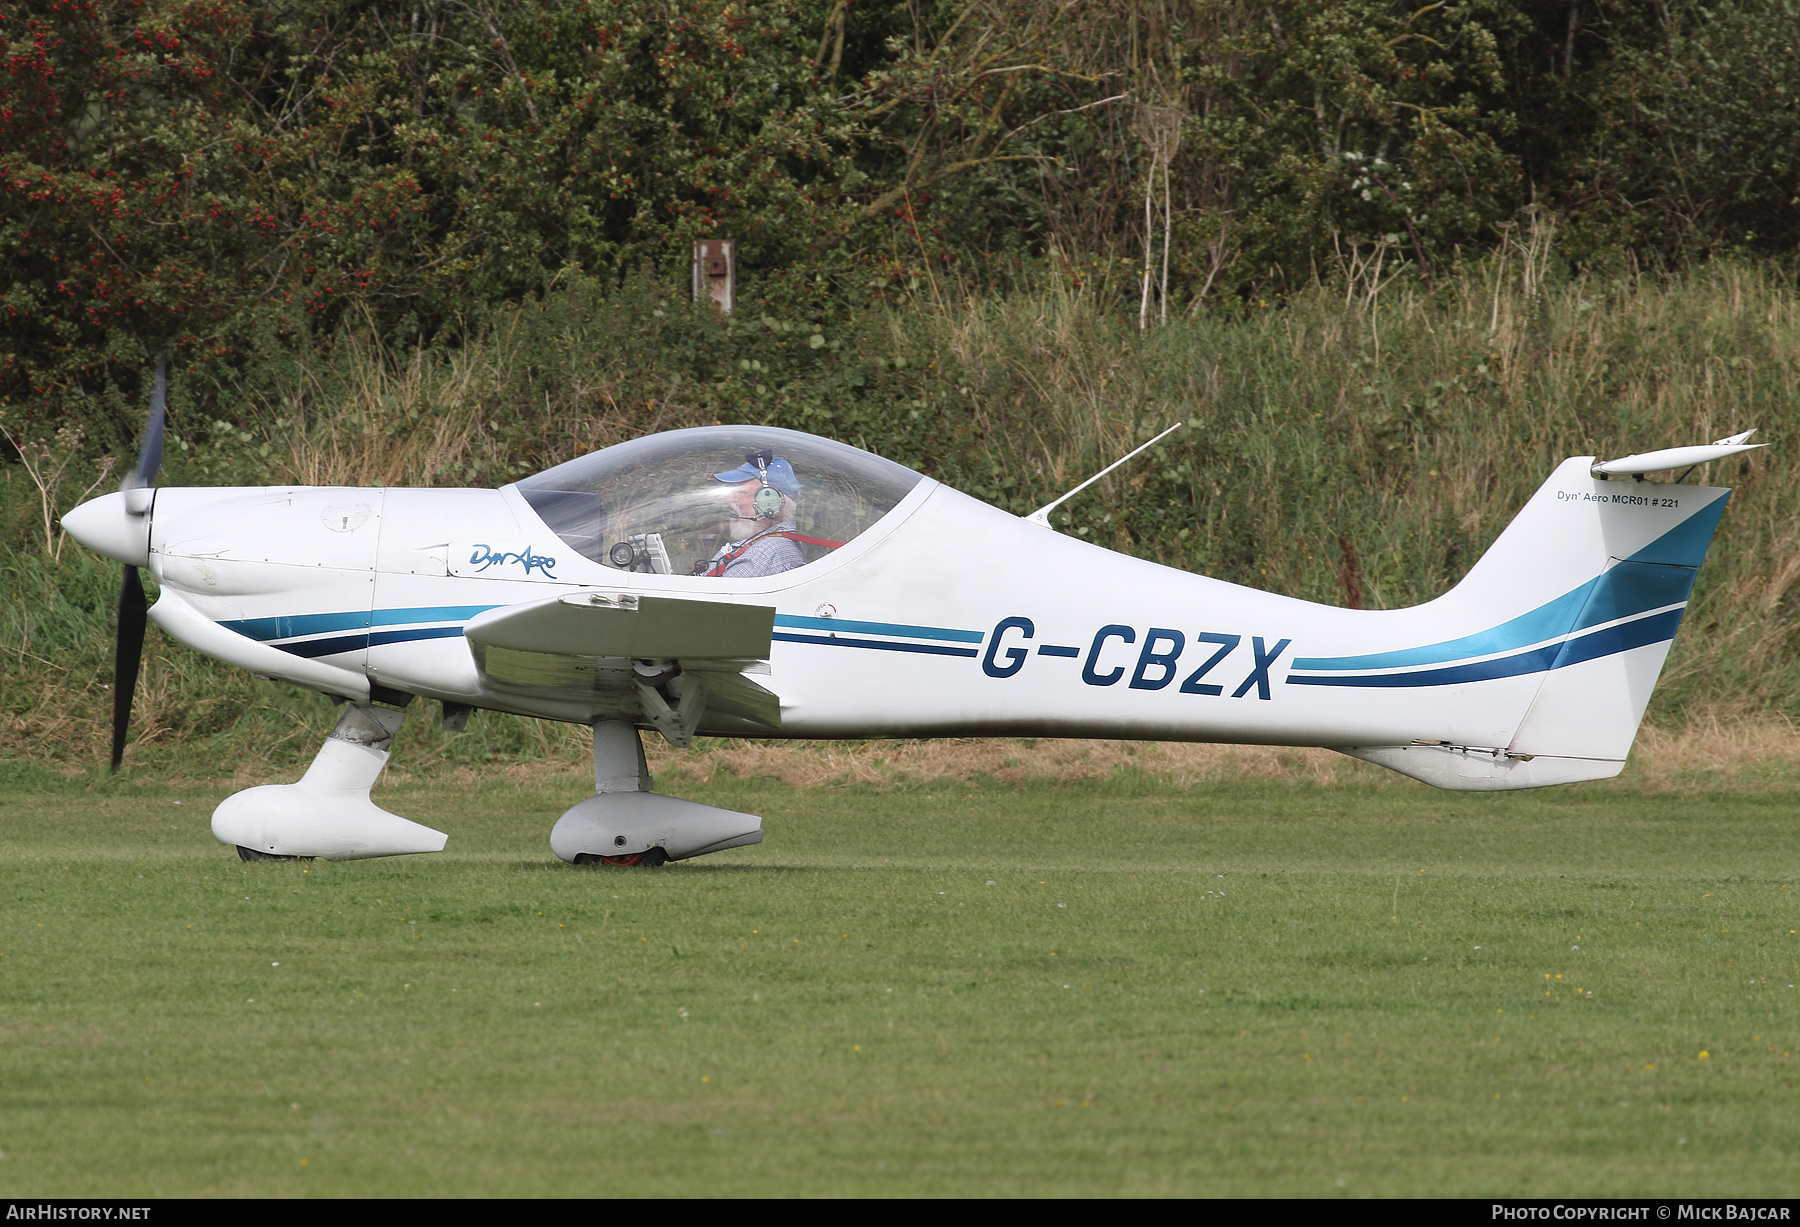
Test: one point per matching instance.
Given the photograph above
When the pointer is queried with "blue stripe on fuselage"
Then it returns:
(1663, 575)
(1547, 621)
(875, 628)
(885, 645)
(1607, 642)
(294, 626)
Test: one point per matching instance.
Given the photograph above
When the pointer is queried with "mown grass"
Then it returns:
(1110, 987)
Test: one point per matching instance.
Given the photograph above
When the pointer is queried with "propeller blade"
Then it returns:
(133, 617)
(150, 454)
(128, 654)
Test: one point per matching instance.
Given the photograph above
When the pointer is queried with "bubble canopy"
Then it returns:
(655, 503)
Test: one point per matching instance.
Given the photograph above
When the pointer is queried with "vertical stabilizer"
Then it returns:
(1574, 529)
(1582, 592)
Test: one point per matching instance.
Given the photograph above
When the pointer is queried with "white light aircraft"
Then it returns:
(744, 581)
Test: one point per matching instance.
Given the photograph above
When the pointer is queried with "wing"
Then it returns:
(676, 664)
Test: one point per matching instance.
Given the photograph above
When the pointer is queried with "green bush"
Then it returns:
(240, 185)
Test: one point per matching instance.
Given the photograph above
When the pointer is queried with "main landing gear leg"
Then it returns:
(625, 823)
(328, 813)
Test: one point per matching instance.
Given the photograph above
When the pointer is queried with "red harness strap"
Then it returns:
(718, 568)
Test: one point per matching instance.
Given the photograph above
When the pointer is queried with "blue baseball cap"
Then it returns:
(781, 476)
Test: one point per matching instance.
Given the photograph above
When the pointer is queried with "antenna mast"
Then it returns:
(1042, 514)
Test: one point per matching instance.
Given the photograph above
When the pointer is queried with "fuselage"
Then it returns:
(946, 617)
(620, 588)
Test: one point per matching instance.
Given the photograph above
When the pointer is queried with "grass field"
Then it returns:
(1104, 987)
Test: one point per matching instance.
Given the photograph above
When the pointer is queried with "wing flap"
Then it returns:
(578, 648)
(641, 627)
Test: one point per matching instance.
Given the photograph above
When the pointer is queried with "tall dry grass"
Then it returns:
(1714, 750)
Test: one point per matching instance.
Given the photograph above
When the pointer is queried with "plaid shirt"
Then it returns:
(768, 554)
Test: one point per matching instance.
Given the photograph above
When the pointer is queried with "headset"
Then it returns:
(767, 503)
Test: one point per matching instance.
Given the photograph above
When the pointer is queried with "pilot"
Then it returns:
(763, 497)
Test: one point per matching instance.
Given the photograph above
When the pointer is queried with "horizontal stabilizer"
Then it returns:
(1677, 457)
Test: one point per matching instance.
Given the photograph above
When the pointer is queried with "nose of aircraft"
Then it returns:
(107, 526)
